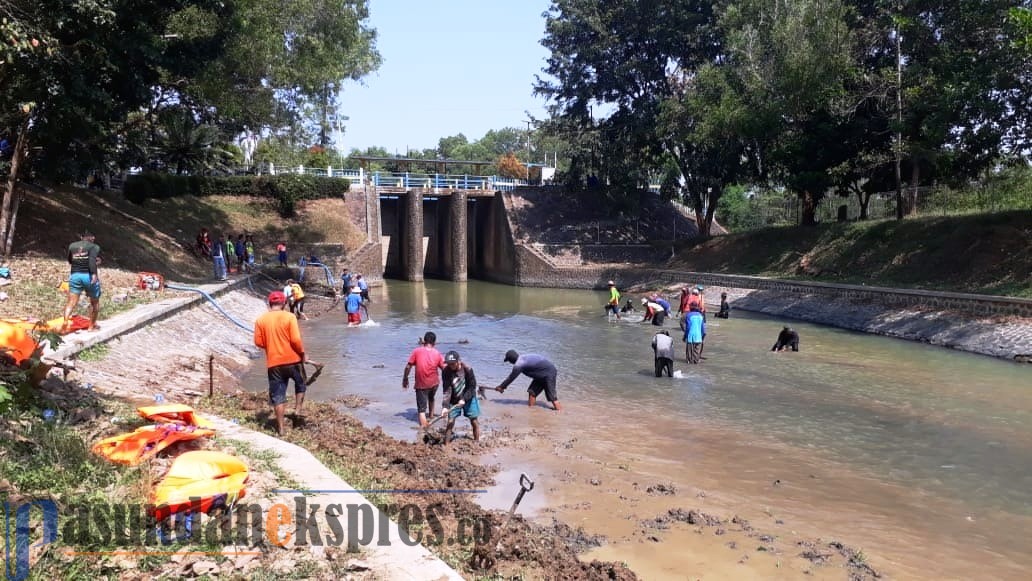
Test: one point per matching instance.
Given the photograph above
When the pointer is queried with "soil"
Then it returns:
(527, 548)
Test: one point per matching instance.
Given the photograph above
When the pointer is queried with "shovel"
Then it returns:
(310, 379)
(526, 485)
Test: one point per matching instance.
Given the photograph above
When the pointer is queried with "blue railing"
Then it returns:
(409, 180)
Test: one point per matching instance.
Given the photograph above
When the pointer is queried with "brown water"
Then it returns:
(920, 455)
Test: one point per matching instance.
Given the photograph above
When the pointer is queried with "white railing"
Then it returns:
(404, 180)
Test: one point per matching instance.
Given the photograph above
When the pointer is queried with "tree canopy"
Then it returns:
(95, 85)
(815, 96)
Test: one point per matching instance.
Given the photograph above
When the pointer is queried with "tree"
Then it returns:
(189, 147)
(625, 58)
(511, 167)
(94, 62)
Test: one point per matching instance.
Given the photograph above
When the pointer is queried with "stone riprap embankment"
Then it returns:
(1006, 337)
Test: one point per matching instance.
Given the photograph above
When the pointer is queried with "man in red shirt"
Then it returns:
(277, 332)
(428, 362)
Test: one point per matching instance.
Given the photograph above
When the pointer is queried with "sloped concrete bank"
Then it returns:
(195, 347)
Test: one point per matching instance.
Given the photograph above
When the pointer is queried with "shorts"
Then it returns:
(355, 318)
(278, 378)
(423, 398)
(471, 410)
(80, 281)
(546, 385)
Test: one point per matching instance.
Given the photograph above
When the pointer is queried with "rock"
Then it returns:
(357, 565)
(204, 567)
(595, 482)
(284, 566)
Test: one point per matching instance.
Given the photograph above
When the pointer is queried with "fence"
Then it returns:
(778, 210)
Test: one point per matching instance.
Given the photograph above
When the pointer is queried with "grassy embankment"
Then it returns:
(45, 435)
(983, 253)
(156, 236)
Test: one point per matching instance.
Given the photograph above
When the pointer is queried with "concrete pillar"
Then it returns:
(412, 244)
(458, 234)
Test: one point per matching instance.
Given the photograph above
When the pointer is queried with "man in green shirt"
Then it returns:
(614, 300)
(84, 257)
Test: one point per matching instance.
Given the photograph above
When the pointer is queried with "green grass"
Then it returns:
(95, 353)
(263, 460)
(984, 253)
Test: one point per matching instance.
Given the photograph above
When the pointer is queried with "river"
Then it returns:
(920, 455)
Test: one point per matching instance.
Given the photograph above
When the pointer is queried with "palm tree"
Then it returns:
(188, 146)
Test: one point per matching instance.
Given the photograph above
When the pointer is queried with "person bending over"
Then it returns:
(787, 338)
(459, 386)
(540, 370)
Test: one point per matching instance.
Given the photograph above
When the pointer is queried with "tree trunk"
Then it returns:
(12, 195)
(809, 210)
(865, 203)
(915, 180)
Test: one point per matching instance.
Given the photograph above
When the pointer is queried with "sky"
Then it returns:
(449, 67)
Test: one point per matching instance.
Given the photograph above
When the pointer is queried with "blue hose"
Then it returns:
(329, 274)
(212, 301)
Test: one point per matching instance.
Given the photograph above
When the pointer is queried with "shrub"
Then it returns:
(286, 189)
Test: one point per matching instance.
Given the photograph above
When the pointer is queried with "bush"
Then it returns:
(286, 189)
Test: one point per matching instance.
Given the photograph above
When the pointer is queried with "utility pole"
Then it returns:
(528, 152)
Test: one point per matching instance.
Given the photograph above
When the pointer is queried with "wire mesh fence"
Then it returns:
(761, 211)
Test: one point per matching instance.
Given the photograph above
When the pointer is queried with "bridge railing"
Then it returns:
(407, 180)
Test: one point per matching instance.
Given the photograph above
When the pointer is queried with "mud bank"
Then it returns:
(171, 358)
(1002, 337)
(180, 357)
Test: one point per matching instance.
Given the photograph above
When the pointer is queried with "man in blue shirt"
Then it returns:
(353, 306)
(694, 332)
(345, 278)
(540, 370)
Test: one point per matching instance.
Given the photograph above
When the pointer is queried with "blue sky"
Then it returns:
(449, 67)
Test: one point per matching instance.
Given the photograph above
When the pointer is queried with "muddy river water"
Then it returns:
(922, 456)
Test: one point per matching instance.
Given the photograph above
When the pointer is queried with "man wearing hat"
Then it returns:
(276, 331)
(84, 257)
(460, 394)
(353, 306)
(614, 300)
(540, 370)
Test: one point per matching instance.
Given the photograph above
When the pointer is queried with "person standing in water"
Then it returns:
(353, 306)
(540, 370)
(663, 350)
(695, 330)
(459, 386)
(428, 361)
(613, 306)
(725, 307)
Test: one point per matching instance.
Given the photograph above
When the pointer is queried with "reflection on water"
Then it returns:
(937, 423)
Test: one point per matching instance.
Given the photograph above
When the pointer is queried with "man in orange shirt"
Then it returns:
(278, 334)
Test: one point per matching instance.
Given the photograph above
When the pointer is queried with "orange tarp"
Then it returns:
(146, 442)
(174, 413)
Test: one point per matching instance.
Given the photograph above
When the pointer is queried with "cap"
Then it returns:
(695, 291)
(277, 298)
(355, 289)
(511, 356)
(451, 357)
(611, 283)
(644, 301)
